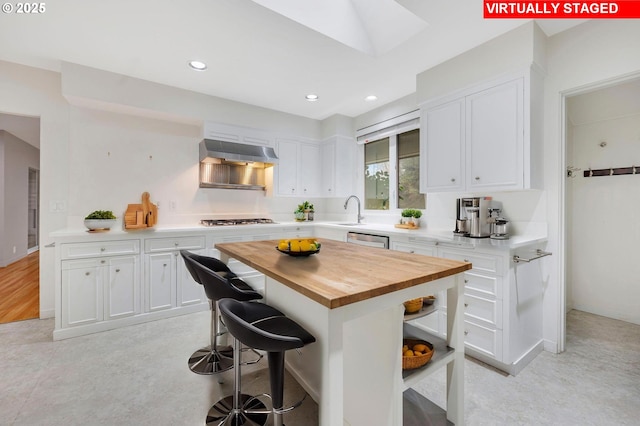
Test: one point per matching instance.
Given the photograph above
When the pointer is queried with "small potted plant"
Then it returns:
(307, 209)
(406, 215)
(100, 220)
(299, 215)
(415, 217)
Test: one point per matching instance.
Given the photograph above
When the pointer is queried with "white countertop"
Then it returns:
(425, 235)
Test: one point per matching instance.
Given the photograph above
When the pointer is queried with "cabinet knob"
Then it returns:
(176, 244)
(477, 177)
(118, 270)
(102, 261)
(453, 179)
(466, 281)
(164, 264)
(329, 189)
(466, 332)
(466, 305)
(102, 249)
(465, 260)
(411, 251)
(87, 273)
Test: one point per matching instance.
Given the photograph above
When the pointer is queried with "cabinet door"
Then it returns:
(287, 168)
(495, 135)
(189, 291)
(309, 170)
(82, 296)
(442, 142)
(160, 282)
(328, 172)
(122, 287)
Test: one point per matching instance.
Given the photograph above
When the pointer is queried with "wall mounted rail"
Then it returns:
(538, 255)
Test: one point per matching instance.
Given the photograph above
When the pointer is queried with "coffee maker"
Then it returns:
(472, 216)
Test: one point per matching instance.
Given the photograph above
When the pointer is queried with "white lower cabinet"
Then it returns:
(99, 289)
(501, 327)
(168, 283)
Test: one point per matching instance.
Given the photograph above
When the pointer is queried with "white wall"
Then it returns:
(18, 157)
(605, 275)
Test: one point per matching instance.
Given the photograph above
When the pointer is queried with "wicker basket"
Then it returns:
(411, 362)
(413, 305)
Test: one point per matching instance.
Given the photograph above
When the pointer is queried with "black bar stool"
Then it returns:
(263, 327)
(215, 359)
(218, 287)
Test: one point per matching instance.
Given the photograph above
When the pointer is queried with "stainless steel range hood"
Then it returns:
(231, 165)
(229, 152)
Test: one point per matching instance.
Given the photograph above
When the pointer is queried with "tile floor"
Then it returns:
(138, 376)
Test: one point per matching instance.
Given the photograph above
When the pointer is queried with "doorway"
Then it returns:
(33, 225)
(19, 219)
(602, 141)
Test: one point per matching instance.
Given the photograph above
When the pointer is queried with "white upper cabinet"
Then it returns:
(494, 129)
(442, 147)
(485, 138)
(230, 133)
(338, 167)
(298, 172)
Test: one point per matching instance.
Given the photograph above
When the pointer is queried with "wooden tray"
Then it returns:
(406, 226)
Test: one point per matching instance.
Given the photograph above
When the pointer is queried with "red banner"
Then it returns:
(625, 9)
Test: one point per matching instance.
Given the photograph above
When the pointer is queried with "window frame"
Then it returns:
(392, 133)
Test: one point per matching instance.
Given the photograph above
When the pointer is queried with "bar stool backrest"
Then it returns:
(221, 284)
(210, 262)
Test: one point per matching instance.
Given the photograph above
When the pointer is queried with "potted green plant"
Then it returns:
(415, 217)
(406, 215)
(307, 208)
(100, 220)
(299, 215)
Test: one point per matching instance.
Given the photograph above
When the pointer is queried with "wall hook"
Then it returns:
(603, 144)
(151, 157)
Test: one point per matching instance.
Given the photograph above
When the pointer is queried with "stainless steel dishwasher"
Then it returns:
(369, 240)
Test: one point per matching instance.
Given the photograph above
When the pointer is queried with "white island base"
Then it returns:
(354, 369)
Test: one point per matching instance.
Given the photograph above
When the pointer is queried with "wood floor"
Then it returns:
(19, 289)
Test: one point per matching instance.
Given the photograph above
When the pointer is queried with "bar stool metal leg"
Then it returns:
(230, 409)
(212, 359)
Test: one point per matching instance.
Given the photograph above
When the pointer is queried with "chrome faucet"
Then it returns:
(358, 200)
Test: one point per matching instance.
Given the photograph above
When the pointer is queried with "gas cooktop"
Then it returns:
(228, 222)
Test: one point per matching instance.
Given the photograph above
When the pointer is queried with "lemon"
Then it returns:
(294, 245)
(305, 245)
(283, 245)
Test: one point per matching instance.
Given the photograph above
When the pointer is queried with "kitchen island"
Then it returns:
(350, 297)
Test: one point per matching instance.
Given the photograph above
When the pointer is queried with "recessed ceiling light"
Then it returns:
(198, 65)
(371, 98)
(311, 97)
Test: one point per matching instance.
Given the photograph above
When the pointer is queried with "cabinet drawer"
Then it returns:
(104, 248)
(487, 285)
(481, 262)
(179, 243)
(487, 310)
(485, 340)
(414, 248)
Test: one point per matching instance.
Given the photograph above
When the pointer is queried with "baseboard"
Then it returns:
(47, 313)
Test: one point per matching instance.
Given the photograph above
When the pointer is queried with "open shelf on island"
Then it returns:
(425, 310)
(443, 354)
(419, 411)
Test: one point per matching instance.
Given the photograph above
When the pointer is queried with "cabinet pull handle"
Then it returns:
(87, 273)
(118, 270)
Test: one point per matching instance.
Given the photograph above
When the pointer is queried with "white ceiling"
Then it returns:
(254, 54)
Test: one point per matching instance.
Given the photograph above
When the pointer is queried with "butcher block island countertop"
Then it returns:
(342, 273)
